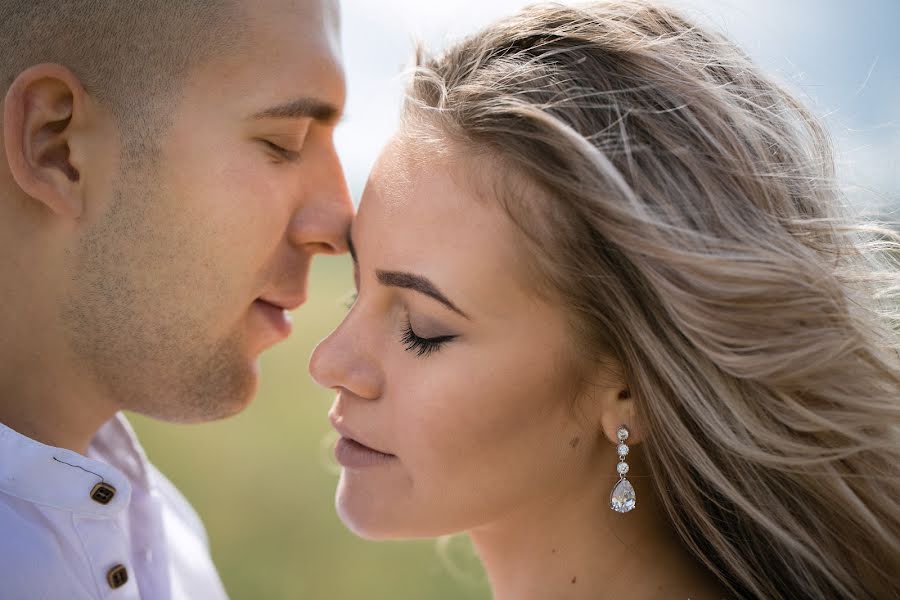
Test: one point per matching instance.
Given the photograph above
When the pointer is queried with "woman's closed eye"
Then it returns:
(423, 346)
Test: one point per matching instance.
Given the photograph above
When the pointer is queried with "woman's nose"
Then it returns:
(344, 359)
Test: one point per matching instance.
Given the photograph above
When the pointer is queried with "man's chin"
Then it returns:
(220, 394)
(234, 402)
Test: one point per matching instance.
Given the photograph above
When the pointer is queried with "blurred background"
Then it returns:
(263, 481)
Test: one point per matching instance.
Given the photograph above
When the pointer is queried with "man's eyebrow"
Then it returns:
(302, 108)
(416, 283)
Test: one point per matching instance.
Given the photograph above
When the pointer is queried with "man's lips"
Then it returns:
(276, 316)
(285, 303)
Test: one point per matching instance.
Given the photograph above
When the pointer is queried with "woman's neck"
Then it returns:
(574, 546)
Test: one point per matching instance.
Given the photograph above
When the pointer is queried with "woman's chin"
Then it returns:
(365, 524)
(371, 509)
(366, 519)
(377, 510)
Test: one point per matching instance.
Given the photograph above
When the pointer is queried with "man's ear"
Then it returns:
(42, 114)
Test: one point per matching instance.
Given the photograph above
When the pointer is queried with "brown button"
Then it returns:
(103, 493)
(117, 576)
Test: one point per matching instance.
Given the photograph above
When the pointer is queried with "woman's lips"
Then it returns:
(350, 453)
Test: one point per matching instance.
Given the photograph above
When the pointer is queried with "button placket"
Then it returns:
(107, 547)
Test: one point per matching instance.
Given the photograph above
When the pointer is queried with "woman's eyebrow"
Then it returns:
(419, 284)
(407, 281)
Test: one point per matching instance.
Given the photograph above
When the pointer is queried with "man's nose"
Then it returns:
(322, 219)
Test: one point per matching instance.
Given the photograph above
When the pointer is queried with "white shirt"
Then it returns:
(58, 542)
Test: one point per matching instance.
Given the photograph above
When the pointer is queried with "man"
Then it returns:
(168, 171)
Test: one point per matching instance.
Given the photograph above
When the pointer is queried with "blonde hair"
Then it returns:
(683, 208)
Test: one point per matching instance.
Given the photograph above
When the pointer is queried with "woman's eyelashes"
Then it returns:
(422, 346)
(350, 300)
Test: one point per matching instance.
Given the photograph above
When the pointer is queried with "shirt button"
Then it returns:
(117, 576)
(103, 493)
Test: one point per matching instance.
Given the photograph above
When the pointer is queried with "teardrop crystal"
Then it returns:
(622, 498)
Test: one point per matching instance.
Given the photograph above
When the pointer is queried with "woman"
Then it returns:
(613, 325)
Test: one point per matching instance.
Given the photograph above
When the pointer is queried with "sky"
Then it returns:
(842, 57)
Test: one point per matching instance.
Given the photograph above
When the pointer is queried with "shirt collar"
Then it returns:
(66, 480)
(116, 444)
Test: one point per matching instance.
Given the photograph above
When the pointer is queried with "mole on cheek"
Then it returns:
(574, 442)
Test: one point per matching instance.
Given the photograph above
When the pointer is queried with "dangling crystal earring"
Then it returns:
(622, 497)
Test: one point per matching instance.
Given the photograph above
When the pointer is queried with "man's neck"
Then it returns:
(44, 395)
(49, 405)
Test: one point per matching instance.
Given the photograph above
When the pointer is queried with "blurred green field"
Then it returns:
(264, 481)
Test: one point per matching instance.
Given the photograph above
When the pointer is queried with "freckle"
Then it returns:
(553, 551)
(575, 441)
(574, 579)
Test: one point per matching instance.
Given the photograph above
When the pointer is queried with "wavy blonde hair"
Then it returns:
(683, 208)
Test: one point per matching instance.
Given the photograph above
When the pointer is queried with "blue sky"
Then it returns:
(842, 57)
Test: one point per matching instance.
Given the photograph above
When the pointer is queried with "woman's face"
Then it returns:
(447, 365)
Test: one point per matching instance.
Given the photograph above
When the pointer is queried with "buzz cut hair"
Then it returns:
(131, 56)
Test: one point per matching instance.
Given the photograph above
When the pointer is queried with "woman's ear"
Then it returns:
(613, 402)
(43, 113)
(618, 412)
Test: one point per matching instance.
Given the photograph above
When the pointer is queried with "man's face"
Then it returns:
(180, 275)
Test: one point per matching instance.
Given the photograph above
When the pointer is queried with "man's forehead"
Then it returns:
(320, 18)
(292, 52)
